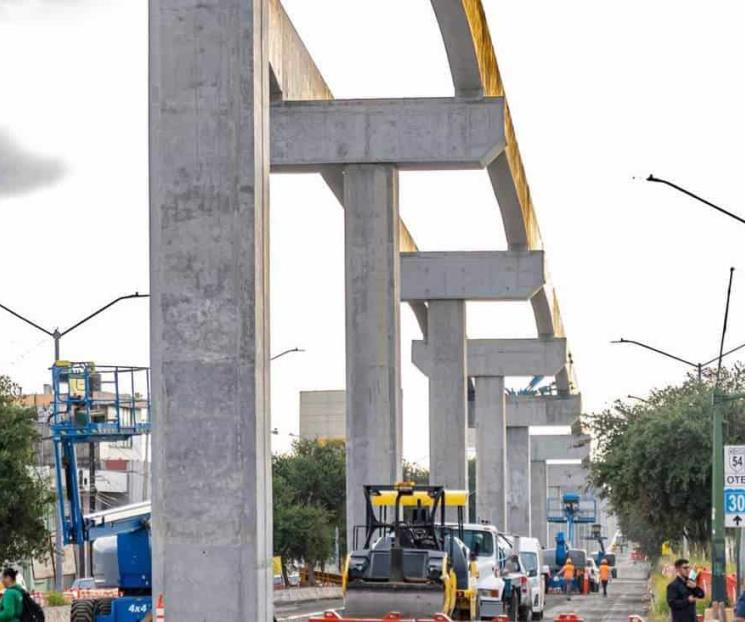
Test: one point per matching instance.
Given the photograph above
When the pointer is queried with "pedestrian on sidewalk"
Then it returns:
(682, 594)
(604, 572)
(11, 606)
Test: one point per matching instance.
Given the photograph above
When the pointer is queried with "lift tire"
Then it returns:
(82, 611)
(538, 615)
(104, 606)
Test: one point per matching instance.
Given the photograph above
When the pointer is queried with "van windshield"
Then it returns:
(530, 561)
(479, 542)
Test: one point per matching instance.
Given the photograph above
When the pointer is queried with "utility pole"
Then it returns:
(718, 550)
(57, 335)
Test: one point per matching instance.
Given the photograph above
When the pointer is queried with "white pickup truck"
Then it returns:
(503, 584)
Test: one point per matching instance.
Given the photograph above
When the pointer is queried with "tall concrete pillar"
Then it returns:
(538, 496)
(373, 345)
(209, 166)
(491, 450)
(518, 468)
(448, 393)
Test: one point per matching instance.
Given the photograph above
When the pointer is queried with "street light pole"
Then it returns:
(718, 549)
(57, 335)
(688, 193)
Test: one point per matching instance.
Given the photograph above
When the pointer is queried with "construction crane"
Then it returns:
(95, 404)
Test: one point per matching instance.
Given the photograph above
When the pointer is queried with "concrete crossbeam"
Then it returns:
(503, 357)
(543, 410)
(567, 476)
(209, 267)
(560, 447)
(490, 275)
(419, 134)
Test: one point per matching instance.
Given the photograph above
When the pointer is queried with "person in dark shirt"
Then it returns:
(682, 594)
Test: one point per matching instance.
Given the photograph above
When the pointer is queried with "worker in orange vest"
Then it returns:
(568, 572)
(604, 575)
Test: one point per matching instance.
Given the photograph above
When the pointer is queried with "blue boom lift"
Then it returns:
(94, 404)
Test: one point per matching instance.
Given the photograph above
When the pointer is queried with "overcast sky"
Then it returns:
(600, 93)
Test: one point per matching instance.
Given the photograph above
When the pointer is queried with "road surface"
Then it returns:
(626, 596)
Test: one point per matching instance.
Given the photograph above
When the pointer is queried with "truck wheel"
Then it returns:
(537, 615)
(524, 613)
(82, 611)
(104, 606)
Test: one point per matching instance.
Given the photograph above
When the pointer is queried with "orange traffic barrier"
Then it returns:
(568, 617)
(160, 609)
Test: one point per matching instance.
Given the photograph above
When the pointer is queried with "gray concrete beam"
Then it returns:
(519, 444)
(567, 475)
(373, 332)
(475, 71)
(543, 410)
(482, 275)
(491, 451)
(448, 394)
(419, 134)
(538, 501)
(503, 357)
(561, 447)
(209, 266)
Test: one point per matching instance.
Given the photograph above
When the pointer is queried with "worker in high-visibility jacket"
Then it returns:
(568, 574)
(604, 571)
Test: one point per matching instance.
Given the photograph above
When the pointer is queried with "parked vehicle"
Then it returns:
(531, 556)
(502, 586)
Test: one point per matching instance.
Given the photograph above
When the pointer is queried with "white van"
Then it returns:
(531, 556)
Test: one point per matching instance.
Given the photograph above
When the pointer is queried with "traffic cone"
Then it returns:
(160, 609)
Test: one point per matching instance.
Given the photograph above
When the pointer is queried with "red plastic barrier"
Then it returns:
(704, 582)
(568, 617)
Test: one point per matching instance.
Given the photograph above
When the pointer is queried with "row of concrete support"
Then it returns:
(213, 139)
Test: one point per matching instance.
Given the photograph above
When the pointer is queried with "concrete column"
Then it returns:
(448, 394)
(491, 450)
(209, 264)
(538, 495)
(518, 492)
(373, 347)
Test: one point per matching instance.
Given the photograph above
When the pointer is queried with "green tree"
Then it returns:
(24, 498)
(309, 501)
(653, 459)
(414, 472)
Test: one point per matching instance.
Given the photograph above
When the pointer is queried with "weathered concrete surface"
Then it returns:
(420, 134)
(538, 497)
(209, 145)
(569, 476)
(491, 451)
(475, 275)
(373, 350)
(503, 357)
(561, 447)
(448, 394)
(518, 476)
(543, 410)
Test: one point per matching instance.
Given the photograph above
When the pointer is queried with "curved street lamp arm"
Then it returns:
(101, 310)
(658, 180)
(662, 352)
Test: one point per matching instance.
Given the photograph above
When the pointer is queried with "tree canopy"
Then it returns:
(309, 501)
(24, 496)
(653, 458)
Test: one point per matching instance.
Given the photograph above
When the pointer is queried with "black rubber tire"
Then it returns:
(538, 615)
(104, 606)
(83, 611)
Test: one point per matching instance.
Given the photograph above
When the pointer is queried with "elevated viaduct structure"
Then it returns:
(234, 93)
